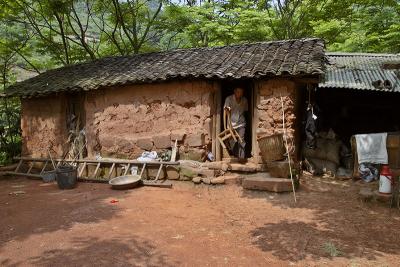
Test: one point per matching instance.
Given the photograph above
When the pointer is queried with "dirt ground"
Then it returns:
(194, 226)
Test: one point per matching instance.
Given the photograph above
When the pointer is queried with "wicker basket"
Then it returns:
(272, 147)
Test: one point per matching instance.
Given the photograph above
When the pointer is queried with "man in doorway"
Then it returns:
(237, 105)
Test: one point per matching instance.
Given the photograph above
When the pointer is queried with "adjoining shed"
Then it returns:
(360, 94)
(127, 105)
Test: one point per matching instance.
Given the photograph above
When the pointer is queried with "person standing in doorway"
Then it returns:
(238, 106)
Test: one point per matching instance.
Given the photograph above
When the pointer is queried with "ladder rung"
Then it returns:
(111, 170)
(97, 169)
(82, 169)
(30, 168)
(44, 167)
(18, 166)
(127, 169)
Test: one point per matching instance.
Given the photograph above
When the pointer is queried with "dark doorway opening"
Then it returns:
(350, 112)
(227, 88)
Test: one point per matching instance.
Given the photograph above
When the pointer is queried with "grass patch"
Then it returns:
(330, 249)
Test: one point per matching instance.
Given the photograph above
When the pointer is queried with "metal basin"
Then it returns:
(125, 182)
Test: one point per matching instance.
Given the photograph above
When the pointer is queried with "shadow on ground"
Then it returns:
(341, 225)
(92, 251)
(43, 208)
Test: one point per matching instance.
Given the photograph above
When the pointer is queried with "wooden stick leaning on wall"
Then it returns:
(287, 150)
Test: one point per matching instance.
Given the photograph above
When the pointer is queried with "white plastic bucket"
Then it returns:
(385, 184)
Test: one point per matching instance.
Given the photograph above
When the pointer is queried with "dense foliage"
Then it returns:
(40, 34)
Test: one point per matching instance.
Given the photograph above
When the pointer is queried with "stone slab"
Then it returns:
(248, 167)
(218, 180)
(267, 184)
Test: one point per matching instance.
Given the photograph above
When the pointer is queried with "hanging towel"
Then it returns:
(372, 148)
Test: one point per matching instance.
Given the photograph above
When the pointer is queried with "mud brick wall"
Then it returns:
(269, 119)
(125, 121)
(43, 122)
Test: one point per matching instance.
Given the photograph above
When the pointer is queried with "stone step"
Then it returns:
(265, 183)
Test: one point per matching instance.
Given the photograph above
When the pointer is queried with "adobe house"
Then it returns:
(130, 104)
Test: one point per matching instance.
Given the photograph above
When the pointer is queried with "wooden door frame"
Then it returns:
(217, 120)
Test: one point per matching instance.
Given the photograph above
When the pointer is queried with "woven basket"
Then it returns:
(272, 147)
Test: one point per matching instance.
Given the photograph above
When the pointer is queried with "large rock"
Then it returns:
(218, 180)
(186, 172)
(217, 165)
(279, 169)
(195, 154)
(196, 180)
(152, 170)
(177, 135)
(233, 179)
(249, 167)
(206, 180)
(145, 143)
(172, 172)
(195, 140)
(205, 172)
(162, 140)
(267, 184)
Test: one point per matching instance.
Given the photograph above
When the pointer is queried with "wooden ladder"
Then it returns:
(82, 165)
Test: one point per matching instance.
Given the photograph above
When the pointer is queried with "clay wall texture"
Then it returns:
(269, 119)
(43, 124)
(125, 121)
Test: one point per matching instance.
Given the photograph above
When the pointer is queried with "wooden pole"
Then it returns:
(287, 149)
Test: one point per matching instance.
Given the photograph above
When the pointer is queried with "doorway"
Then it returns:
(227, 88)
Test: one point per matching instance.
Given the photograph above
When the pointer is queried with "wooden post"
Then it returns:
(218, 155)
(214, 122)
(255, 151)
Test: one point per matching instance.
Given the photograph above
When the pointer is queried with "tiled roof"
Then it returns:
(258, 60)
(363, 71)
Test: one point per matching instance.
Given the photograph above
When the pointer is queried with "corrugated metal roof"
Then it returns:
(361, 71)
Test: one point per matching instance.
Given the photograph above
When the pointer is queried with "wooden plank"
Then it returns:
(174, 150)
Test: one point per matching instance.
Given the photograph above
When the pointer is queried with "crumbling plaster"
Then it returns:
(125, 121)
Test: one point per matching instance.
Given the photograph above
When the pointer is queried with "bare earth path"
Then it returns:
(193, 226)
